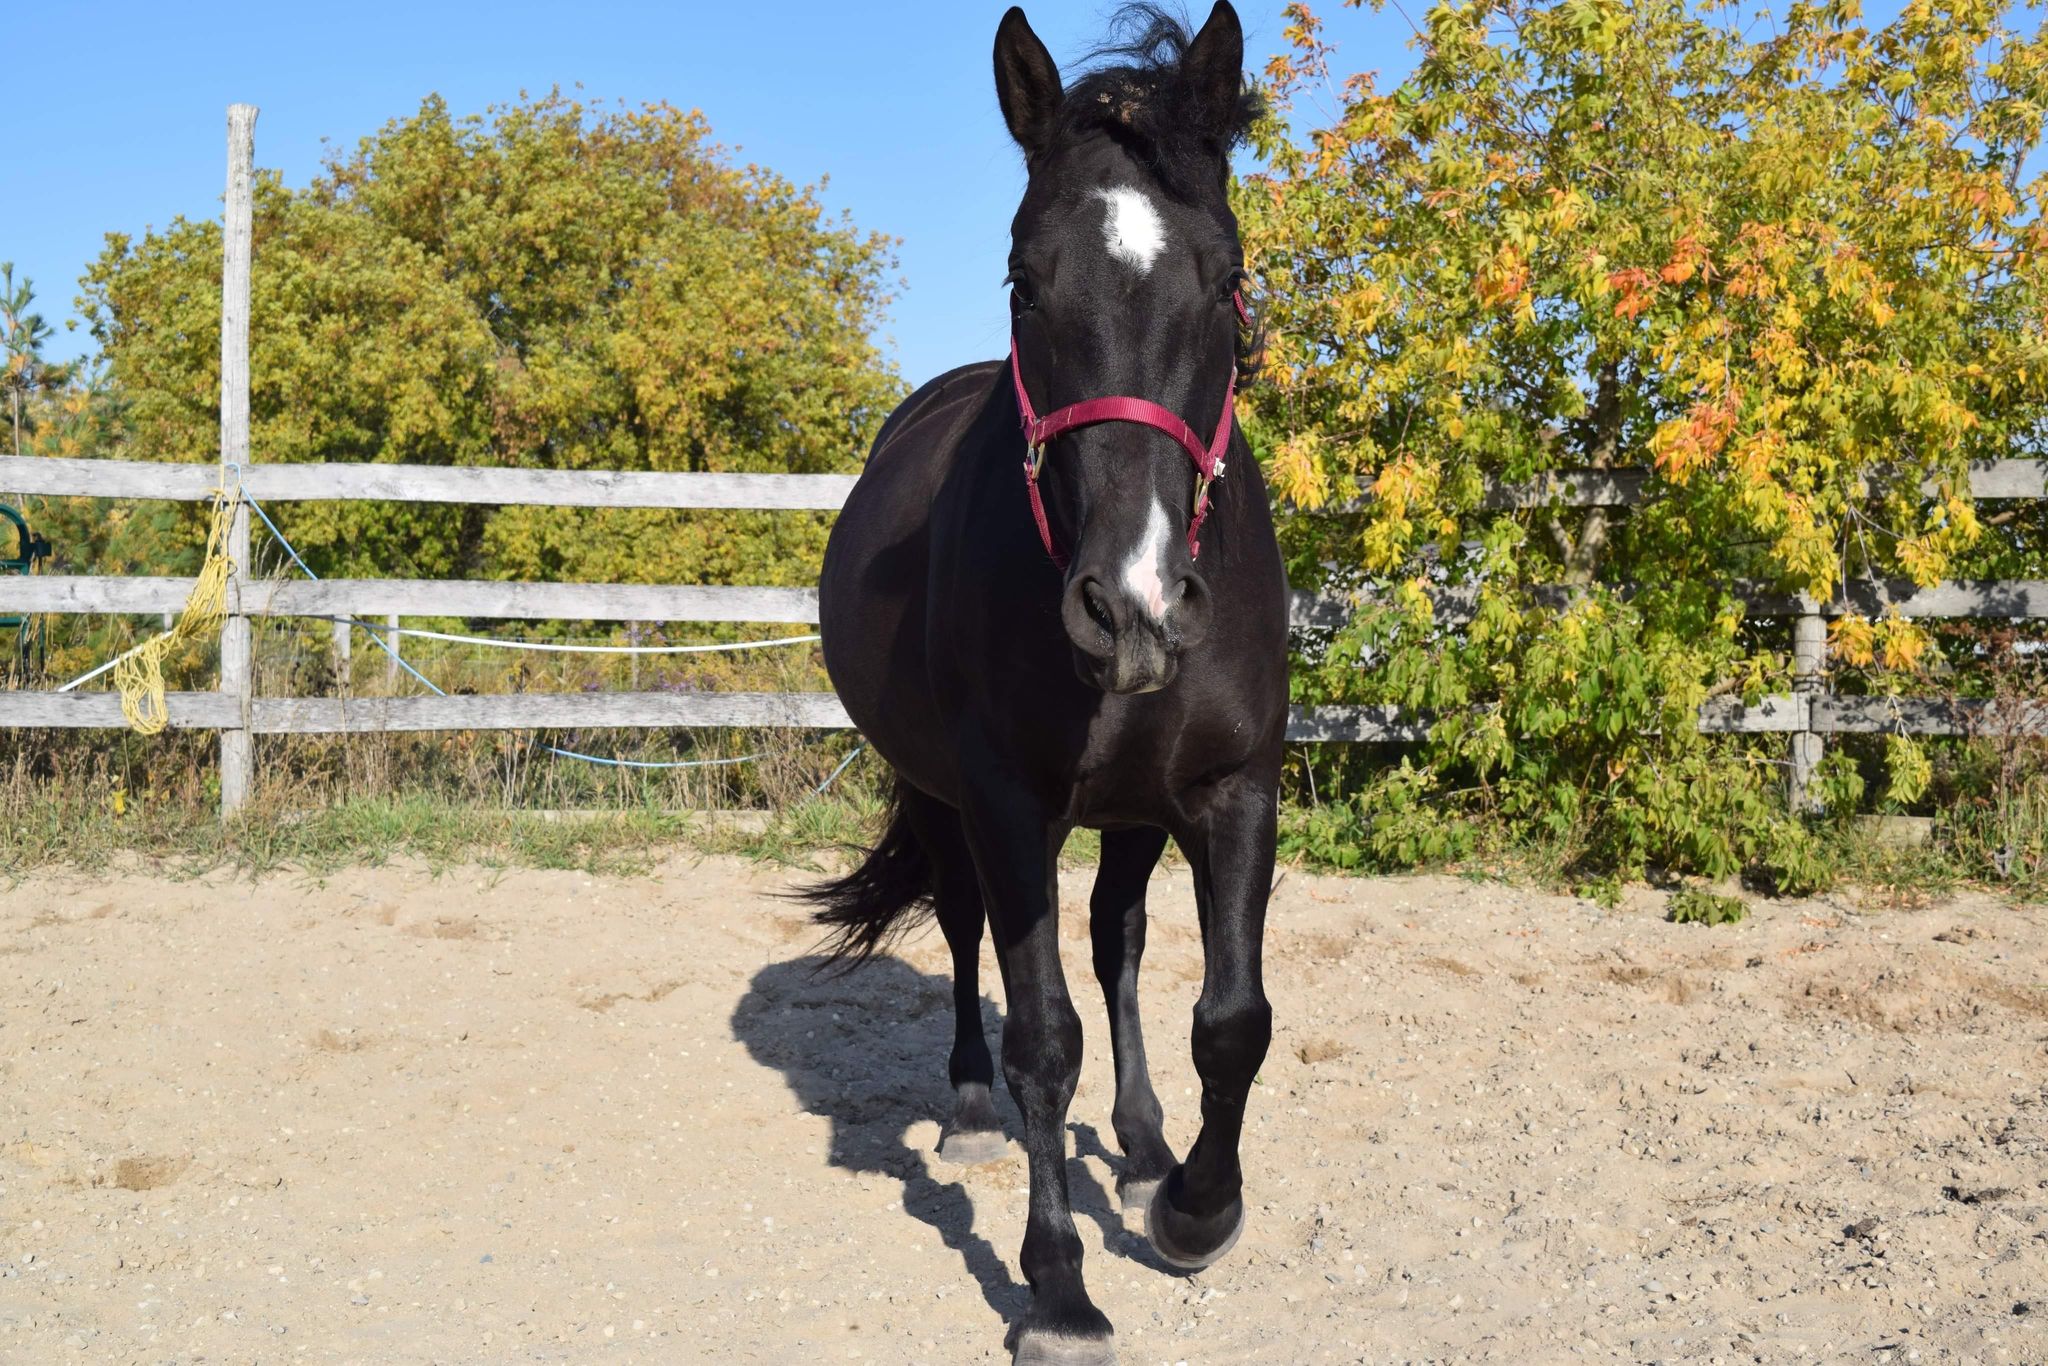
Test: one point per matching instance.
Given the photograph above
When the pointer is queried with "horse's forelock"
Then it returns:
(1138, 91)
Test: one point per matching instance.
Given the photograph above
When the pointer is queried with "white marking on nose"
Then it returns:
(1145, 571)
(1133, 229)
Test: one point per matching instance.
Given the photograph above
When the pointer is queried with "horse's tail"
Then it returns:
(874, 904)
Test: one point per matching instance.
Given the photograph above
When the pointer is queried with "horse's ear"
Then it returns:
(1027, 82)
(1214, 63)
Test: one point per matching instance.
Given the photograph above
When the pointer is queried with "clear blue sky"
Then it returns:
(121, 124)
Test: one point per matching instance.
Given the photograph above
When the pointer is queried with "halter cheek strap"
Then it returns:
(1040, 431)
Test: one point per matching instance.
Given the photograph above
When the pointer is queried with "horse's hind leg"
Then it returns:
(1116, 921)
(973, 1135)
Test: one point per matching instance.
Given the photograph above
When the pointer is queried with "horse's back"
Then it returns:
(872, 591)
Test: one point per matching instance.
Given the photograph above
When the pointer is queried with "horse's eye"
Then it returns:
(1233, 282)
(1020, 289)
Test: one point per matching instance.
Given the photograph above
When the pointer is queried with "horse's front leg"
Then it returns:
(1016, 851)
(1116, 922)
(1199, 1210)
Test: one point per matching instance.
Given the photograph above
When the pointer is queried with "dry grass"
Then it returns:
(81, 797)
(325, 801)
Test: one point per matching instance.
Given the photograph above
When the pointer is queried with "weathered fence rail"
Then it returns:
(433, 484)
(234, 710)
(1799, 715)
(74, 594)
(1990, 481)
(501, 711)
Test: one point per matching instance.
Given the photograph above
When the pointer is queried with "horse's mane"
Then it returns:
(1136, 91)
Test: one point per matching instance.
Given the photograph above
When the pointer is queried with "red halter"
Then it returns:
(1040, 431)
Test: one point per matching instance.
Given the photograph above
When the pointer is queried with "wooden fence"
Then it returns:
(1807, 713)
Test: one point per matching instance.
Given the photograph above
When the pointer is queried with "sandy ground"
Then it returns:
(393, 1117)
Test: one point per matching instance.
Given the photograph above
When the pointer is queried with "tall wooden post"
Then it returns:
(236, 750)
(1809, 656)
(396, 642)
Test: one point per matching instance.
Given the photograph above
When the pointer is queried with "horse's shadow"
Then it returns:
(867, 1050)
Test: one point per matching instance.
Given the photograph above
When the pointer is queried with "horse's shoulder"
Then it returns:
(963, 386)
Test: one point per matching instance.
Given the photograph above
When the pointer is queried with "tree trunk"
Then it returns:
(1582, 555)
(20, 499)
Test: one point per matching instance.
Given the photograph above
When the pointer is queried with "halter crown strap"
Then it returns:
(1040, 431)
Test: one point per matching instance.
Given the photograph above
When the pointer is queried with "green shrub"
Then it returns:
(1695, 906)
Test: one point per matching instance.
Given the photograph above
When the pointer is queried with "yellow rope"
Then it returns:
(139, 674)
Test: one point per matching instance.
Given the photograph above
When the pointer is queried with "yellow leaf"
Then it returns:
(1903, 644)
(1852, 640)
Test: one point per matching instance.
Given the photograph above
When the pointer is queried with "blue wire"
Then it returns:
(382, 644)
(257, 508)
(833, 776)
(639, 763)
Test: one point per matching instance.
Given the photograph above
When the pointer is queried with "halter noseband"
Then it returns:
(1039, 431)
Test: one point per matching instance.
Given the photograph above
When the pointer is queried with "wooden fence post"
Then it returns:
(395, 644)
(236, 675)
(342, 648)
(1809, 654)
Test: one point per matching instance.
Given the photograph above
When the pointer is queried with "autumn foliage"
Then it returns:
(548, 285)
(1791, 269)
(1794, 266)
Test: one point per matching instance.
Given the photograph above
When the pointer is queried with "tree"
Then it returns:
(23, 333)
(1798, 275)
(547, 285)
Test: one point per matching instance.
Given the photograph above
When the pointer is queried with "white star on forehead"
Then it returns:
(1133, 229)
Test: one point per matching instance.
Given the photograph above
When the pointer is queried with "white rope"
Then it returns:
(559, 648)
(88, 677)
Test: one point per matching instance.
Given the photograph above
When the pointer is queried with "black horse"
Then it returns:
(1014, 615)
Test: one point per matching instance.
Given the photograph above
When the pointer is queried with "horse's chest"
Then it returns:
(1133, 770)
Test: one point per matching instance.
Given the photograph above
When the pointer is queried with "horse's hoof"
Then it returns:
(1057, 1349)
(1136, 1195)
(973, 1147)
(1173, 1235)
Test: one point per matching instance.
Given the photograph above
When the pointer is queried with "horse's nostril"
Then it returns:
(1089, 615)
(1098, 607)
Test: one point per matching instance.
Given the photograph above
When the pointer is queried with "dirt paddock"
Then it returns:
(389, 1117)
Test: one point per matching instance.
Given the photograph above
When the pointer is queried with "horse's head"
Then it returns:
(1124, 271)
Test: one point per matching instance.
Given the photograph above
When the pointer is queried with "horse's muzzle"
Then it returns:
(1119, 645)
